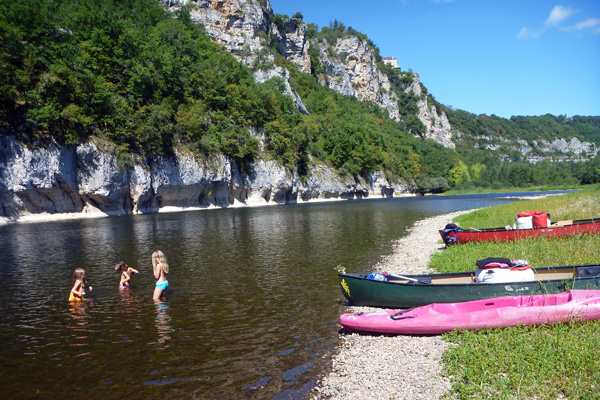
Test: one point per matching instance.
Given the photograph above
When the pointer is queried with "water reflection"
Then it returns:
(79, 326)
(131, 308)
(163, 323)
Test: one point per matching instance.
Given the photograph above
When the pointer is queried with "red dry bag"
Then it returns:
(540, 219)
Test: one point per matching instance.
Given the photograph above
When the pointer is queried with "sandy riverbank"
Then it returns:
(400, 367)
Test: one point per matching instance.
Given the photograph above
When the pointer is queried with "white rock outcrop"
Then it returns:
(352, 71)
(264, 75)
(557, 150)
(294, 45)
(437, 126)
(231, 23)
(87, 181)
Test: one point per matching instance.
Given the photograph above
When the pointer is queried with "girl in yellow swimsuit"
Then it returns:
(160, 268)
(78, 289)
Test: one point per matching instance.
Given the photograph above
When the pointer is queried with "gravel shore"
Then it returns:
(392, 367)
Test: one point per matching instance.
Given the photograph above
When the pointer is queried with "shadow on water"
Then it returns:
(252, 306)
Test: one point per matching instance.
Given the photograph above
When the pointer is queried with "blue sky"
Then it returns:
(502, 57)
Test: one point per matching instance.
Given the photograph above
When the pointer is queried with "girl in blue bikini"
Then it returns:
(161, 268)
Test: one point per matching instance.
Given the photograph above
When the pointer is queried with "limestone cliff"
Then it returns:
(557, 150)
(293, 44)
(352, 71)
(231, 23)
(243, 26)
(437, 126)
(88, 180)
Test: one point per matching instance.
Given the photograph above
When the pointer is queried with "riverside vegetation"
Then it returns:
(545, 362)
(150, 81)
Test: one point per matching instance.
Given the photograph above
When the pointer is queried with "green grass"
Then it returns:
(578, 205)
(479, 190)
(524, 362)
(546, 362)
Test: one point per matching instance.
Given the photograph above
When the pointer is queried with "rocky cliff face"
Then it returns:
(352, 71)
(573, 150)
(437, 126)
(242, 25)
(293, 44)
(87, 180)
(231, 23)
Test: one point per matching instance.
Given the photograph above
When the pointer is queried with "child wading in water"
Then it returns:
(161, 268)
(79, 283)
(126, 272)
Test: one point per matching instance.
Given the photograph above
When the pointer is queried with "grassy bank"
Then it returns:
(480, 190)
(546, 362)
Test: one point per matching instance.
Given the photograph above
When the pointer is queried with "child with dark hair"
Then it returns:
(126, 272)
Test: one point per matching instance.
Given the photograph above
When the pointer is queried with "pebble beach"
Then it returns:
(392, 367)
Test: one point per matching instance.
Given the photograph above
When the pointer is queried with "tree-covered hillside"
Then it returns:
(148, 81)
(480, 131)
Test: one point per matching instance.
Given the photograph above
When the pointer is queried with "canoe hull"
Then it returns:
(578, 227)
(360, 291)
(503, 312)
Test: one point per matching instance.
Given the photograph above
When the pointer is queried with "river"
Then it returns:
(252, 305)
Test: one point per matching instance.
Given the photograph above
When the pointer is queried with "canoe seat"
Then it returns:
(588, 271)
(562, 223)
(417, 279)
(423, 279)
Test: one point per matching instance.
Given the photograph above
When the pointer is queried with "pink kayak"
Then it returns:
(500, 312)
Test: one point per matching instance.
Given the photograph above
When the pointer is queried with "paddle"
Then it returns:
(406, 277)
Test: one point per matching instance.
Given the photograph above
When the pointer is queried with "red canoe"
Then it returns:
(560, 228)
(500, 312)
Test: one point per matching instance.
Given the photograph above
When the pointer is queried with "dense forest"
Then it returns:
(149, 81)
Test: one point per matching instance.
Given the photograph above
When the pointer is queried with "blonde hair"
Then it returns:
(79, 274)
(159, 260)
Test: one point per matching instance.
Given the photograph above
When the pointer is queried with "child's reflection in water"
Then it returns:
(162, 322)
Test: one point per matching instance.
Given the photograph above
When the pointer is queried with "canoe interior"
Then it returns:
(416, 290)
(541, 274)
(557, 224)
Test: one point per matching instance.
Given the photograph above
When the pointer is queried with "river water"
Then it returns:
(252, 305)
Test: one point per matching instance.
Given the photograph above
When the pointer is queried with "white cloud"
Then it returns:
(558, 14)
(592, 24)
(527, 33)
(589, 25)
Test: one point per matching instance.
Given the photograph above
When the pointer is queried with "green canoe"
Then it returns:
(420, 290)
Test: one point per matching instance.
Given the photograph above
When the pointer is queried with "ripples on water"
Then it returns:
(252, 309)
